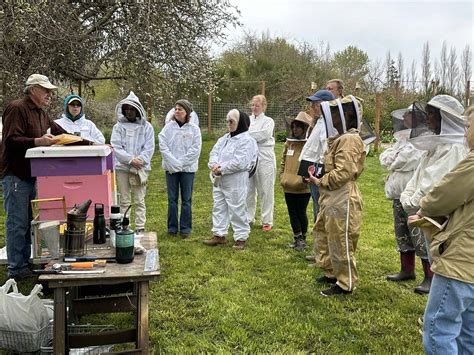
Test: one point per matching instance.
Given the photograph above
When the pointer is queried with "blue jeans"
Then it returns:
(315, 195)
(448, 326)
(176, 182)
(17, 195)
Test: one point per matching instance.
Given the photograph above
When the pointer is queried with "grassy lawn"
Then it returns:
(264, 299)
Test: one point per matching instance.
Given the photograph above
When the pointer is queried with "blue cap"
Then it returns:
(321, 95)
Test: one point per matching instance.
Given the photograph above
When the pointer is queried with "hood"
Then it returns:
(131, 100)
(306, 120)
(243, 122)
(451, 123)
(69, 98)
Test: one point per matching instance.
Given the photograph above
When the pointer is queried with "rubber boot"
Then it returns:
(426, 283)
(300, 243)
(407, 271)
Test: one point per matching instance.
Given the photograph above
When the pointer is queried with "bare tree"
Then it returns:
(372, 81)
(452, 72)
(426, 67)
(443, 65)
(400, 67)
(466, 69)
(413, 76)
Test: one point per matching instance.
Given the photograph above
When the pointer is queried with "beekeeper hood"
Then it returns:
(439, 121)
(133, 101)
(341, 115)
(401, 122)
(304, 121)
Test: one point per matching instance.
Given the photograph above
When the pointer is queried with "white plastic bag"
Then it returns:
(19, 312)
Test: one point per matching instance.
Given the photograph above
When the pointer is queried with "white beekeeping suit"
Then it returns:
(262, 183)
(235, 154)
(442, 149)
(132, 141)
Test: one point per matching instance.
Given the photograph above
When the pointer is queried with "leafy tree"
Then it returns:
(151, 45)
(286, 68)
(351, 65)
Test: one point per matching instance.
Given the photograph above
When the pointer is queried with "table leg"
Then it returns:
(60, 321)
(142, 316)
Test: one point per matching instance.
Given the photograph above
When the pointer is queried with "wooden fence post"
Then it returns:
(378, 110)
(434, 88)
(209, 113)
(148, 106)
(262, 87)
(468, 94)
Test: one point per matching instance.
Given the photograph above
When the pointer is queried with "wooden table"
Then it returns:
(114, 275)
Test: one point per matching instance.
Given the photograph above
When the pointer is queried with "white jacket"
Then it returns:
(132, 139)
(401, 160)
(433, 166)
(261, 129)
(180, 147)
(87, 129)
(234, 154)
(316, 145)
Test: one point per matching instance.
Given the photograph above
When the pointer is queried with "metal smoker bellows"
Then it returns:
(75, 234)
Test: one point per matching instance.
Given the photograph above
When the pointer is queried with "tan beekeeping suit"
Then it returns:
(339, 220)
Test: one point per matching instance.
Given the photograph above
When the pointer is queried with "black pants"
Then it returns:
(297, 204)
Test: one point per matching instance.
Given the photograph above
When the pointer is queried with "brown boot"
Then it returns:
(216, 240)
(239, 245)
(407, 271)
(425, 285)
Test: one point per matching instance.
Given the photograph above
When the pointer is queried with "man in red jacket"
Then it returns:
(25, 126)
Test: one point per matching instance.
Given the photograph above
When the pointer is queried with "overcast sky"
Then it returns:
(373, 26)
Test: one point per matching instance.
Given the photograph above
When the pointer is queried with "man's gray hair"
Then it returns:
(27, 89)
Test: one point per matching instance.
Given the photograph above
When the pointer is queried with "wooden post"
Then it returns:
(262, 87)
(378, 110)
(434, 88)
(149, 103)
(209, 113)
(468, 94)
(79, 89)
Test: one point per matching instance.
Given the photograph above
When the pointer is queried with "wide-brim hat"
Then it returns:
(302, 117)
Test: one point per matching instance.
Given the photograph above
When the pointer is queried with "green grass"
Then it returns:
(264, 299)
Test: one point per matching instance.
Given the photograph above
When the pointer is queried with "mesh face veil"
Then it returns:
(439, 121)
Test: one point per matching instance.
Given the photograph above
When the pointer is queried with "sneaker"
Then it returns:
(300, 245)
(216, 240)
(310, 258)
(239, 245)
(172, 234)
(326, 280)
(334, 290)
(140, 231)
(184, 235)
(267, 228)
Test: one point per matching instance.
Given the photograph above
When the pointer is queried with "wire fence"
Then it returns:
(213, 118)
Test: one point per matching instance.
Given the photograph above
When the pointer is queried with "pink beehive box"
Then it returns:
(70, 160)
(76, 190)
